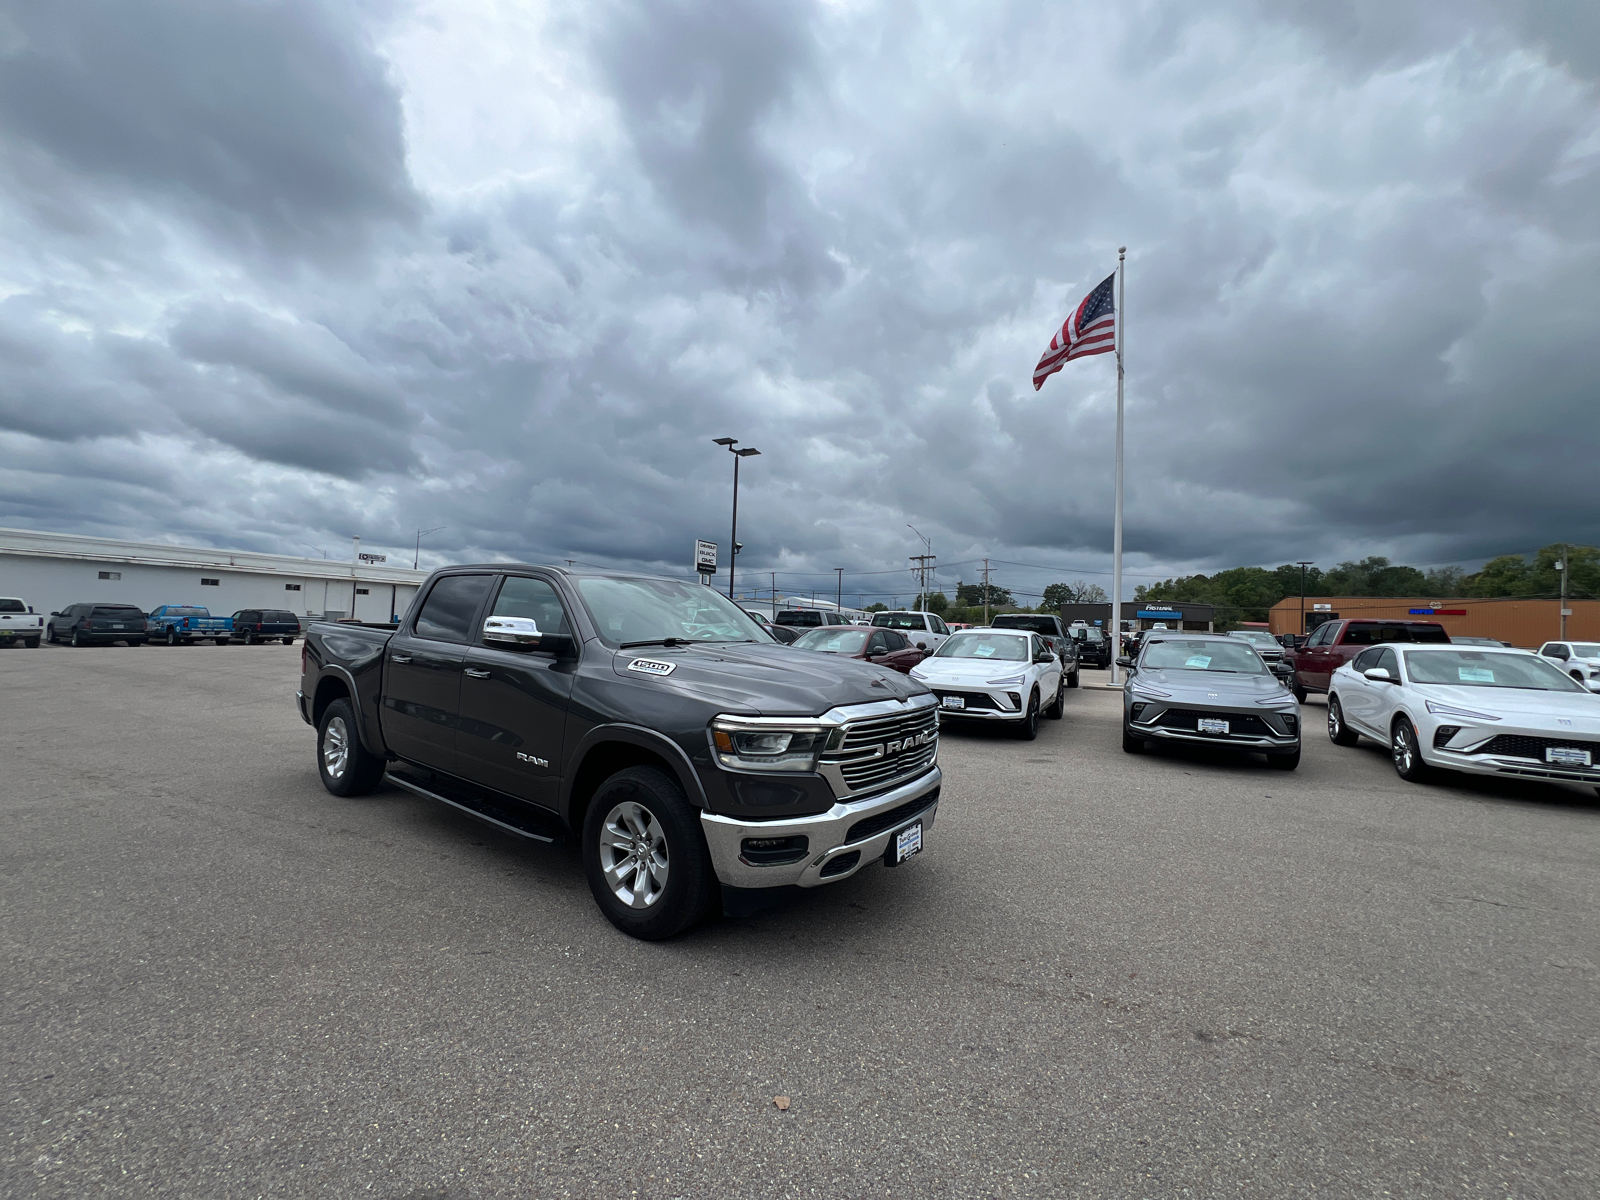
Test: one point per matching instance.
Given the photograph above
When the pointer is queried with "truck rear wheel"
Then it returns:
(346, 766)
(645, 857)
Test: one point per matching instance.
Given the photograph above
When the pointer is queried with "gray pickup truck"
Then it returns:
(694, 758)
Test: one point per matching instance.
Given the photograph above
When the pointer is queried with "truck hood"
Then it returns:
(762, 678)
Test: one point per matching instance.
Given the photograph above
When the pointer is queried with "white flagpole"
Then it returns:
(1116, 535)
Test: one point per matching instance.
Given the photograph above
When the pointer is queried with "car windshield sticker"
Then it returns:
(1475, 675)
(1198, 662)
(652, 666)
(985, 651)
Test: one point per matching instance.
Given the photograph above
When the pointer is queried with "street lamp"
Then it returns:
(308, 545)
(416, 555)
(1302, 566)
(733, 538)
(838, 595)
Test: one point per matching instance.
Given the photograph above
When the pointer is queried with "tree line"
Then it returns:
(1246, 593)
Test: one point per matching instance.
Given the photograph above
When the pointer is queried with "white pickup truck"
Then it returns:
(19, 623)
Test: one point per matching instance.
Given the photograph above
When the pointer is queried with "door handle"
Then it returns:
(401, 658)
(477, 674)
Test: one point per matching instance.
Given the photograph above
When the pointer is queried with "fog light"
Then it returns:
(1016, 700)
(773, 851)
(1290, 721)
(1443, 734)
(1137, 710)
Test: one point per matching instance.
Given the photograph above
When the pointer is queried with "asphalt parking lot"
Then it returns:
(1170, 975)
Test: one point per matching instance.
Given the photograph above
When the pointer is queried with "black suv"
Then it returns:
(691, 756)
(1052, 631)
(97, 625)
(252, 625)
(1094, 648)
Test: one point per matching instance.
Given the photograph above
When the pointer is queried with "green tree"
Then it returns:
(1446, 581)
(1077, 592)
(937, 602)
(1373, 576)
(970, 595)
(876, 606)
(1514, 575)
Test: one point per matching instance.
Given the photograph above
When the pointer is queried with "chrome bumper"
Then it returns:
(825, 834)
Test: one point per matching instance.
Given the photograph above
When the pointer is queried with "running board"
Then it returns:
(401, 781)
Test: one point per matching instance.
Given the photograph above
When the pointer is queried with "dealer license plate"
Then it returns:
(952, 701)
(116, 627)
(1567, 756)
(906, 843)
(1213, 725)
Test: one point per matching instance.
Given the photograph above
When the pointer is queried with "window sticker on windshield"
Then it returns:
(1475, 675)
(1198, 662)
(985, 652)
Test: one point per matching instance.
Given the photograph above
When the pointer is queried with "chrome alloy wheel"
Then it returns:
(1404, 749)
(633, 855)
(335, 748)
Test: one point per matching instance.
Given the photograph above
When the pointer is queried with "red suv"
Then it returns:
(1335, 643)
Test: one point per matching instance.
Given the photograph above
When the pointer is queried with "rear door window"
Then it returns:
(447, 614)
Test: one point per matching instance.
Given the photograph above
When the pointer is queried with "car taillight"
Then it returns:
(258, 626)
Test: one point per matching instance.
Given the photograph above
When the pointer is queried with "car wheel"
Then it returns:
(172, 637)
(1058, 707)
(1284, 762)
(250, 639)
(1131, 744)
(77, 640)
(288, 641)
(645, 857)
(346, 766)
(32, 643)
(1029, 727)
(1299, 692)
(1406, 753)
(1072, 680)
(1338, 732)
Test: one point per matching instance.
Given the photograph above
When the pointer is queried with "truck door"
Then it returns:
(422, 679)
(514, 702)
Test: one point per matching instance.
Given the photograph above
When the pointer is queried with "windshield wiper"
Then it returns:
(666, 641)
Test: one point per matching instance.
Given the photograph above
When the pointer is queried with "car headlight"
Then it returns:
(1008, 681)
(1449, 710)
(742, 745)
(1153, 693)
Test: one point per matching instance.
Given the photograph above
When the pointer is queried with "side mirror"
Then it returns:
(922, 645)
(1124, 661)
(1378, 674)
(1282, 670)
(55, 614)
(1562, 655)
(522, 633)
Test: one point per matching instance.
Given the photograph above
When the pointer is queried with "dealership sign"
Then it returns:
(374, 558)
(705, 557)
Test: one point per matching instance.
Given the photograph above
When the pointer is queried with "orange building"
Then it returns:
(1526, 623)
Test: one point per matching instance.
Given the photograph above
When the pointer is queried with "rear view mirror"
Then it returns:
(522, 633)
(1378, 674)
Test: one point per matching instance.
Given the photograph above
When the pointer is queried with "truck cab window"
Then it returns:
(451, 605)
(534, 599)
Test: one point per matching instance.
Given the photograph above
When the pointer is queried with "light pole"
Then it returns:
(1302, 566)
(733, 537)
(838, 594)
(922, 561)
(309, 546)
(416, 555)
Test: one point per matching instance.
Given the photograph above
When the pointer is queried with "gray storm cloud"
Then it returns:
(274, 272)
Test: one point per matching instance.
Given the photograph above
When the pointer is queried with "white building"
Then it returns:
(53, 570)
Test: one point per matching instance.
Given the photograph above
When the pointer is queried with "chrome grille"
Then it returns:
(862, 757)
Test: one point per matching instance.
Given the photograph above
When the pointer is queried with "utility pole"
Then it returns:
(416, 553)
(922, 560)
(986, 591)
(1302, 566)
(1562, 567)
(774, 575)
(838, 592)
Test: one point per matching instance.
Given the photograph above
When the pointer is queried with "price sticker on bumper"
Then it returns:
(952, 701)
(908, 842)
(1567, 756)
(1213, 725)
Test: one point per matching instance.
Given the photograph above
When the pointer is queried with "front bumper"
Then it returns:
(1267, 739)
(995, 704)
(304, 708)
(827, 836)
(1526, 768)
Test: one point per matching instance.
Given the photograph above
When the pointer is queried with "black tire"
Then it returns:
(1339, 733)
(288, 641)
(1284, 762)
(1131, 744)
(1406, 752)
(77, 641)
(1058, 706)
(172, 637)
(1299, 692)
(361, 770)
(690, 886)
(1028, 727)
(250, 638)
(50, 635)
(1072, 679)
(31, 643)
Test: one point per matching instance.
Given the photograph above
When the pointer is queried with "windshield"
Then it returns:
(1037, 624)
(1474, 668)
(7, 604)
(1256, 638)
(1088, 635)
(653, 610)
(1001, 646)
(1201, 656)
(1579, 649)
(899, 620)
(834, 641)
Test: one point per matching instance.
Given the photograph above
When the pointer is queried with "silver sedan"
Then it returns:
(1208, 688)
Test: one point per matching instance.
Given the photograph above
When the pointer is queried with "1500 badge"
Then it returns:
(652, 666)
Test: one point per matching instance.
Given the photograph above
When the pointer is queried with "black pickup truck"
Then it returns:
(690, 754)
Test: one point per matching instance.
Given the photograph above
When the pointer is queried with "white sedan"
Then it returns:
(1006, 675)
(1475, 709)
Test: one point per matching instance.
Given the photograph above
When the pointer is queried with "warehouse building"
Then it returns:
(52, 570)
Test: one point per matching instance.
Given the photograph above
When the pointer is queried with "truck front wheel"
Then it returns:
(645, 857)
(346, 766)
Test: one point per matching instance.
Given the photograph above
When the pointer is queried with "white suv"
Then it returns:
(1581, 660)
(926, 630)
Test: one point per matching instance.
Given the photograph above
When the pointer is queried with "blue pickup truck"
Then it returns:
(180, 624)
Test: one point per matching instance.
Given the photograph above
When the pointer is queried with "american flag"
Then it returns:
(1091, 329)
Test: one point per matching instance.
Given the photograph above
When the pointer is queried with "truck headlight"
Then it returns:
(743, 745)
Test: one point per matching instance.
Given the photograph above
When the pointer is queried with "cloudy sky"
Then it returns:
(273, 274)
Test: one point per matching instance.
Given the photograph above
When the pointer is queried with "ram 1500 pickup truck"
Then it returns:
(691, 756)
(180, 624)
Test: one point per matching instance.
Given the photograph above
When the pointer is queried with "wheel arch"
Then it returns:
(607, 749)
